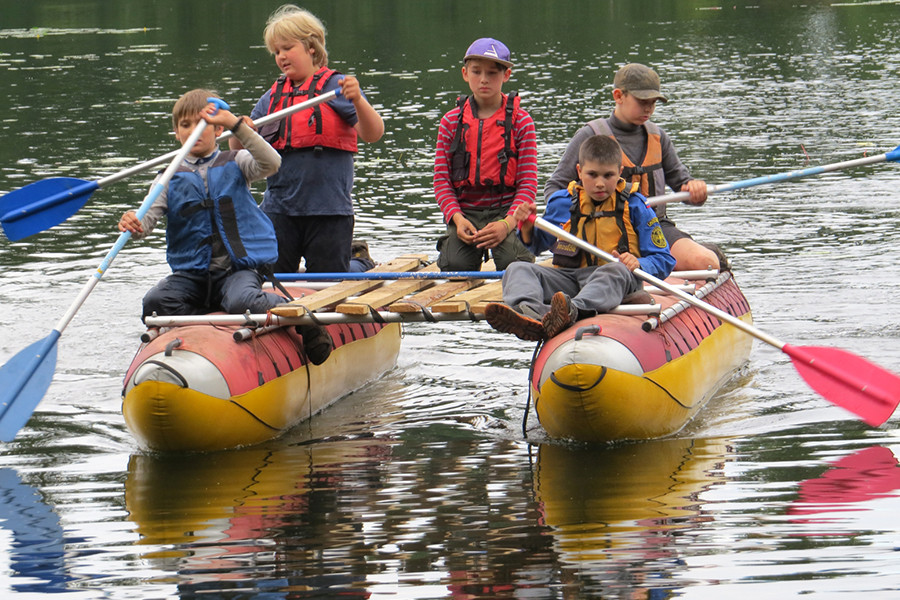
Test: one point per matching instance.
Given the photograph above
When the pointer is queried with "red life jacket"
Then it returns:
(483, 151)
(317, 127)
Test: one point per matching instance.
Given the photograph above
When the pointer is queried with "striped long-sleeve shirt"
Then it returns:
(453, 200)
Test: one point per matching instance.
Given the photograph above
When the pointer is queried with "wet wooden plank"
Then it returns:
(336, 293)
(480, 296)
(441, 291)
(385, 295)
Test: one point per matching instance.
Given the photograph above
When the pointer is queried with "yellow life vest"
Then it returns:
(606, 225)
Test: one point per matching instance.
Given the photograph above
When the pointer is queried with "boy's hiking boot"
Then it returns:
(562, 314)
(503, 318)
(317, 343)
(638, 297)
(360, 260)
(360, 249)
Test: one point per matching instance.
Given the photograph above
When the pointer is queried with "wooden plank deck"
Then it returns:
(335, 294)
(461, 297)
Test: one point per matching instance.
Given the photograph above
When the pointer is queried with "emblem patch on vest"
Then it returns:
(657, 237)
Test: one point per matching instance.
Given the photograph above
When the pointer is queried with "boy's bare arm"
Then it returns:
(523, 222)
(369, 125)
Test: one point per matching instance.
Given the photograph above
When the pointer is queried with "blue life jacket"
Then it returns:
(221, 208)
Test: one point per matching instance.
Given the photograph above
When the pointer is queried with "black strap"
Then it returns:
(628, 174)
(230, 227)
(459, 154)
(504, 155)
(275, 100)
(267, 272)
(620, 222)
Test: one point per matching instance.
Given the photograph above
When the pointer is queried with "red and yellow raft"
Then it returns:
(640, 376)
(196, 388)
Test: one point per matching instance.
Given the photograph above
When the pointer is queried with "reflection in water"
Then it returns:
(869, 474)
(37, 552)
(616, 513)
(215, 519)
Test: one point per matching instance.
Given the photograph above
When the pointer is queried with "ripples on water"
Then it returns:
(421, 485)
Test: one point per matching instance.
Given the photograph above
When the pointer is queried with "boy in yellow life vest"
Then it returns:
(540, 302)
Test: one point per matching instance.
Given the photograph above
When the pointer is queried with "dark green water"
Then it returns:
(420, 485)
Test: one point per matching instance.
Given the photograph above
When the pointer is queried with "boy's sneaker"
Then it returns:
(562, 314)
(317, 343)
(503, 318)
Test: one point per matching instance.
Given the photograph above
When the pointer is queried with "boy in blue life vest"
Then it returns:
(540, 302)
(217, 238)
(485, 165)
(309, 198)
(649, 158)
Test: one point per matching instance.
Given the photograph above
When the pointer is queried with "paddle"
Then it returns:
(893, 155)
(845, 379)
(25, 378)
(43, 204)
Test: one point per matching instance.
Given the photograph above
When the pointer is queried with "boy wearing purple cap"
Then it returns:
(649, 158)
(485, 165)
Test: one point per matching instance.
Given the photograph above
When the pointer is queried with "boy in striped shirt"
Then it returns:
(485, 165)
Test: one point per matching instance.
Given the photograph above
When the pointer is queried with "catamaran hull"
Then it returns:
(606, 379)
(195, 388)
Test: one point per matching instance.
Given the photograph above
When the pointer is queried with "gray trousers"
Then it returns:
(528, 288)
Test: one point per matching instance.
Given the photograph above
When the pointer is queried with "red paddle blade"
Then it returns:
(849, 381)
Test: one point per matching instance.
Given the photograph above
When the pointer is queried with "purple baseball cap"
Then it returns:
(489, 49)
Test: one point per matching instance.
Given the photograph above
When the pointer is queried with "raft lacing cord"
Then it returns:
(170, 369)
(537, 349)
(426, 314)
(376, 316)
(577, 388)
(472, 316)
(676, 400)
(259, 349)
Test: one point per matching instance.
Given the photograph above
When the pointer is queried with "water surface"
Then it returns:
(421, 485)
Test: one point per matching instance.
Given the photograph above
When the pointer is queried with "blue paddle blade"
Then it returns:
(24, 380)
(43, 204)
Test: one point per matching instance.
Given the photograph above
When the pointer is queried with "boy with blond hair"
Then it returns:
(309, 199)
(485, 165)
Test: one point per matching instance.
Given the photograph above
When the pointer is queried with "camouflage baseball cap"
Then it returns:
(640, 81)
